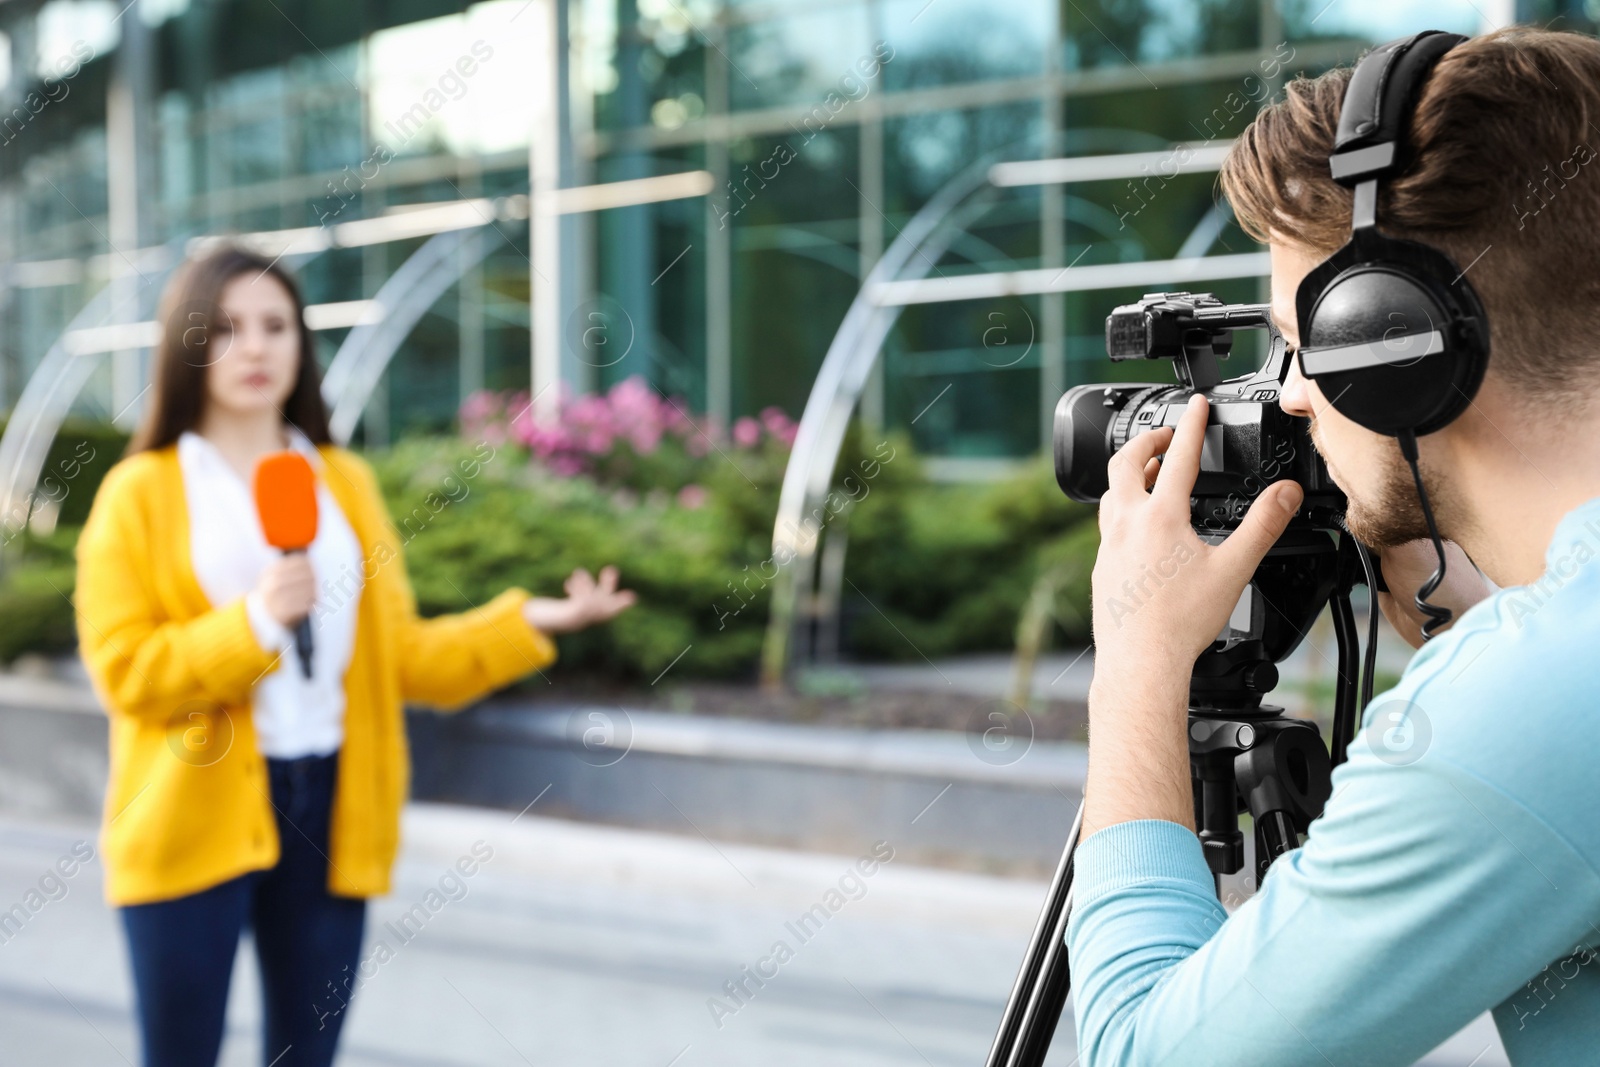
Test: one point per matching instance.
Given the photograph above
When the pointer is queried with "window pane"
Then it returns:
(800, 57)
(794, 217)
(1376, 21)
(947, 42)
(1121, 33)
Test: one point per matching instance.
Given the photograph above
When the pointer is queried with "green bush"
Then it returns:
(36, 613)
(934, 570)
(37, 582)
(78, 458)
(931, 569)
(514, 523)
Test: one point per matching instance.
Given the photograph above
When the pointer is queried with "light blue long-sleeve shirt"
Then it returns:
(1454, 870)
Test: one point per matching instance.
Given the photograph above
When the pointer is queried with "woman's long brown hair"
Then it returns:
(188, 307)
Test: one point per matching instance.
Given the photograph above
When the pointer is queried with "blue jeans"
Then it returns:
(182, 950)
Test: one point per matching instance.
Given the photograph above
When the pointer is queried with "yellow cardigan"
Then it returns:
(188, 804)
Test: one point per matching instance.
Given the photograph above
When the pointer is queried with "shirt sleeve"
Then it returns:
(1422, 897)
(271, 634)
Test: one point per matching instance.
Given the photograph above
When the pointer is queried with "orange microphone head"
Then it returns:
(286, 499)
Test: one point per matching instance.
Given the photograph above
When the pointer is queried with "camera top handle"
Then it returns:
(1192, 330)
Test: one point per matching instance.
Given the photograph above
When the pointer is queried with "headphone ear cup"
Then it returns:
(1388, 305)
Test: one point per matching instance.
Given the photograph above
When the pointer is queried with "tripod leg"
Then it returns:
(1275, 835)
(1045, 1008)
(1040, 991)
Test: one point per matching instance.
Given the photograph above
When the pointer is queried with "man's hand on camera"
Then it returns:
(1161, 595)
(1407, 566)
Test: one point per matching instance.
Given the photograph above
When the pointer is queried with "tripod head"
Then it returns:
(1247, 756)
(1291, 586)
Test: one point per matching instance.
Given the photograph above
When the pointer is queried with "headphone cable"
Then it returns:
(1438, 616)
(1369, 668)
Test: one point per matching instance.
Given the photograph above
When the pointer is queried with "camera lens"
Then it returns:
(1093, 421)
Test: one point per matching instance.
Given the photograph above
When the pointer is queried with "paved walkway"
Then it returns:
(594, 946)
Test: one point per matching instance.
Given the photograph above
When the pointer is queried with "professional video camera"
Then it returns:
(1244, 756)
(1250, 441)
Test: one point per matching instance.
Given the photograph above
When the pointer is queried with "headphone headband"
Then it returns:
(1374, 119)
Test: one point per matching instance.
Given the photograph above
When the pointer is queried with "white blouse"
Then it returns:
(294, 716)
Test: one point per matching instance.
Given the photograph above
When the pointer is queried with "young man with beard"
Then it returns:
(1458, 873)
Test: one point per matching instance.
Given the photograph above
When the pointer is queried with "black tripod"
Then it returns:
(1243, 756)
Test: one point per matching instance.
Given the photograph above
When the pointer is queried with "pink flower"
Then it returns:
(566, 466)
(746, 432)
(629, 415)
(639, 414)
(674, 418)
(523, 428)
(588, 422)
(692, 496)
(516, 402)
(645, 437)
(633, 400)
(779, 425)
(482, 406)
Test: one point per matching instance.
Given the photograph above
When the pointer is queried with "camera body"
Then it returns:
(1250, 441)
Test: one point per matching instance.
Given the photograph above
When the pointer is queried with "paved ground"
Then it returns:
(577, 944)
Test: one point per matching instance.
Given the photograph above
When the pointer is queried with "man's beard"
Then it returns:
(1389, 515)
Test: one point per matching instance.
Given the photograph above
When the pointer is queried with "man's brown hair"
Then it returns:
(1502, 177)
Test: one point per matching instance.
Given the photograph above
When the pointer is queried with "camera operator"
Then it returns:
(1454, 869)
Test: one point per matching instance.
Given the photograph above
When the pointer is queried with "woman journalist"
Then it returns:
(242, 793)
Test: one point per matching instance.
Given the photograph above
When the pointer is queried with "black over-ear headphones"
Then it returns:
(1391, 331)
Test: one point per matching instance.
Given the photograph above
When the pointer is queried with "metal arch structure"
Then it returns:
(458, 240)
(59, 378)
(51, 390)
(901, 277)
(400, 302)
(834, 395)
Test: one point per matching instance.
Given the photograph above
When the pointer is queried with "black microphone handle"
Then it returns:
(302, 644)
(302, 633)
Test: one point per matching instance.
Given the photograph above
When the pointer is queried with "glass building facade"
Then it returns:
(814, 130)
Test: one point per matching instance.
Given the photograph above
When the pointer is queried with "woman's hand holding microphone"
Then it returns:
(288, 588)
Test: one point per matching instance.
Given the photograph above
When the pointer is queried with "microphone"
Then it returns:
(286, 501)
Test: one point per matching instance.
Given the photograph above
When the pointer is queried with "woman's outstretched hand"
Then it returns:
(587, 602)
